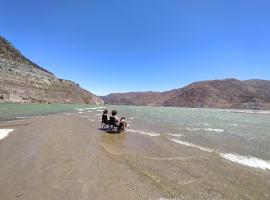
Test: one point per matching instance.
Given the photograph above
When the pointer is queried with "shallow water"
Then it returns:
(230, 131)
(13, 111)
(239, 136)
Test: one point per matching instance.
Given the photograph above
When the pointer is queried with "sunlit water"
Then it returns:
(239, 136)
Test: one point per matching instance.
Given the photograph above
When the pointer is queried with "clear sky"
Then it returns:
(141, 45)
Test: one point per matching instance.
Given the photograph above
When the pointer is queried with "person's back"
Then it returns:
(105, 117)
(113, 119)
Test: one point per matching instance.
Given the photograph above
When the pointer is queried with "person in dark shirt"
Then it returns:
(114, 120)
(105, 117)
(120, 124)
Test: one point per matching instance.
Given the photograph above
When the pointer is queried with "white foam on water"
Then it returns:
(79, 109)
(26, 117)
(247, 160)
(188, 144)
(89, 111)
(99, 110)
(98, 114)
(243, 160)
(22, 117)
(95, 108)
(4, 133)
(144, 133)
(80, 112)
(240, 125)
(175, 134)
(204, 129)
(101, 107)
(205, 124)
(92, 108)
(231, 124)
(92, 120)
(214, 130)
(265, 112)
(191, 129)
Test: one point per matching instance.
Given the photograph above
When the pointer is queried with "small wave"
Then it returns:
(4, 133)
(92, 108)
(188, 144)
(80, 112)
(204, 129)
(98, 114)
(101, 107)
(79, 109)
(99, 110)
(175, 134)
(144, 133)
(264, 112)
(30, 117)
(243, 160)
(231, 124)
(23, 117)
(95, 108)
(204, 124)
(214, 130)
(92, 120)
(239, 125)
(246, 160)
(190, 129)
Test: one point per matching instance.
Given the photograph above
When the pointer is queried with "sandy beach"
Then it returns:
(66, 156)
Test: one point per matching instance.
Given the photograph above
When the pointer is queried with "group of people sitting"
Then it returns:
(114, 121)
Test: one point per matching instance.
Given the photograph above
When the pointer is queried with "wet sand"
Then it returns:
(67, 157)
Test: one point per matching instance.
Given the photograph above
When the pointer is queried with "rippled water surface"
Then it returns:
(234, 131)
(237, 135)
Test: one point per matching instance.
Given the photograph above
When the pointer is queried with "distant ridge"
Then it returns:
(227, 93)
(22, 81)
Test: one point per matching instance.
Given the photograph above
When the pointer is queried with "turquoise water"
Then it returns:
(12, 111)
(230, 131)
(244, 133)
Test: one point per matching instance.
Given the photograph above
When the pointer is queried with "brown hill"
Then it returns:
(228, 93)
(137, 98)
(22, 81)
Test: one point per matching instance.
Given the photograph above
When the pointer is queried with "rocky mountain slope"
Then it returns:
(22, 81)
(228, 93)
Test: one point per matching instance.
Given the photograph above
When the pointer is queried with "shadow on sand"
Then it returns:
(109, 131)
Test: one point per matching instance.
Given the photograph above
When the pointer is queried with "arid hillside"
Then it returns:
(22, 81)
(228, 93)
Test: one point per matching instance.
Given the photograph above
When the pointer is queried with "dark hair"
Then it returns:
(105, 111)
(114, 112)
(122, 118)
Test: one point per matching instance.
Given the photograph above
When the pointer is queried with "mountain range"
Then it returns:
(22, 81)
(227, 93)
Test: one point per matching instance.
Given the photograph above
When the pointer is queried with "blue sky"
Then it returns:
(141, 45)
